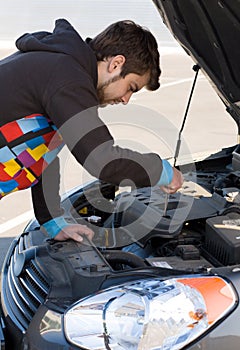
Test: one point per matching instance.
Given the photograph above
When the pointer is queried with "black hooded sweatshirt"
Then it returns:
(55, 74)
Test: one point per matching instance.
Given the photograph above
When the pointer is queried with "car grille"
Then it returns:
(24, 293)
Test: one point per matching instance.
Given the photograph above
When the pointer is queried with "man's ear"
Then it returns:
(116, 63)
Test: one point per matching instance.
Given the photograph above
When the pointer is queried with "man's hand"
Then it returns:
(176, 183)
(61, 230)
(75, 232)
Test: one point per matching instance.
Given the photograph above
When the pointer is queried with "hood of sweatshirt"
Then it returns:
(64, 39)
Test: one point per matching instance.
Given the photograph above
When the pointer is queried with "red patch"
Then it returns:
(23, 181)
(38, 167)
(11, 131)
(52, 140)
(3, 175)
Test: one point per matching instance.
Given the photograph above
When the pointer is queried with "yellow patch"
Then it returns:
(38, 152)
(30, 176)
(11, 167)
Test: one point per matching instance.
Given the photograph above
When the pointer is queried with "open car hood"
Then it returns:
(209, 31)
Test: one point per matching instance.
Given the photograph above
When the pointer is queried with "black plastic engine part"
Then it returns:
(188, 252)
(229, 181)
(142, 212)
(126, 258)
(222, 240)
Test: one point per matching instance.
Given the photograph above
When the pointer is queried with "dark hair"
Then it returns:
(136, 44)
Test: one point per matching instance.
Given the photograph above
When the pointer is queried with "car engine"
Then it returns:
(198, 229)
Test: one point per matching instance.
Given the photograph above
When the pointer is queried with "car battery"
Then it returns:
(222, 240)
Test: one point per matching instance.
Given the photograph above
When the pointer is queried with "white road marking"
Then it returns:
(180, 81)
(18, 220)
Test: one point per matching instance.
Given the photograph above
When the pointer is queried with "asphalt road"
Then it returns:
(150, 122)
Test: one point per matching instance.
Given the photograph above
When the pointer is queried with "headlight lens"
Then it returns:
(149, 314)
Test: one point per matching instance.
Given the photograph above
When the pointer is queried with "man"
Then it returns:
(49, 94)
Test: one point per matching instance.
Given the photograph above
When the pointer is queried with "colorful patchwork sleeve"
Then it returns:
(27, 146)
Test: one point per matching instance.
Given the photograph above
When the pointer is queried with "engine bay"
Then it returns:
(199, 229)
(198, 233)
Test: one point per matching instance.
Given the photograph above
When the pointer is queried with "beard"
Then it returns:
(101, 91)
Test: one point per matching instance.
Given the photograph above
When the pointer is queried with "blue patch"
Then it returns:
(37, 141)
(6, 154)
(50, 156)
(42, 123)
(8, 186)
(19, 149)
(32, 124)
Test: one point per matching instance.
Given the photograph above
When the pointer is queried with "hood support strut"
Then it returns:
(196, 69)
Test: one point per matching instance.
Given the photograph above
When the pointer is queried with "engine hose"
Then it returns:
(231, 209)
(126, 258)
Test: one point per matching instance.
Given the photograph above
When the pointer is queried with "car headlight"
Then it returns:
(149, 314)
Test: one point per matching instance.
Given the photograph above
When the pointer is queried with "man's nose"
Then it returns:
(125, 99)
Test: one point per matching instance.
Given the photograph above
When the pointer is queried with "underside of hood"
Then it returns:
(209, 31)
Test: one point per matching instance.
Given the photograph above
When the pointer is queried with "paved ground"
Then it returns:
(151, 121)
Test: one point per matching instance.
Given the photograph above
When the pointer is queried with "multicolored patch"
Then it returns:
(21, 164)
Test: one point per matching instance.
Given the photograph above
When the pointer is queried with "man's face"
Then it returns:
(119, 90)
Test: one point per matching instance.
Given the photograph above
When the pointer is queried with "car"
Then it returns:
(185, 295)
